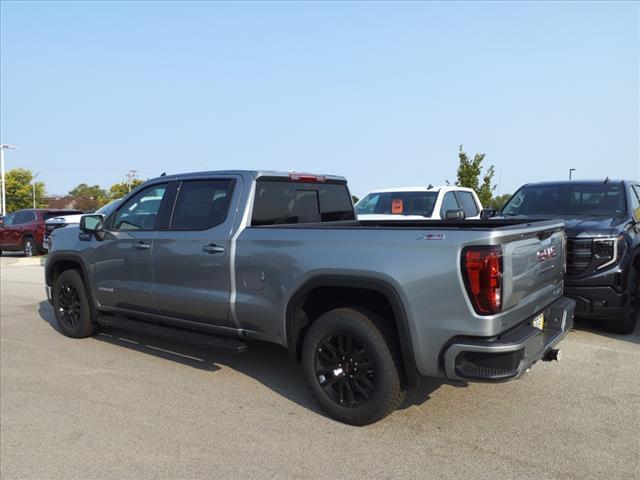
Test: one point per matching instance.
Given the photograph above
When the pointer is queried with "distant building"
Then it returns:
(62, 202)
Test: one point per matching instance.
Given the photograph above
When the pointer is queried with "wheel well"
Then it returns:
(61, 266)
(309, 307)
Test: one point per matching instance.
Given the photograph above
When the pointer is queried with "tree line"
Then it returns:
(21, 189)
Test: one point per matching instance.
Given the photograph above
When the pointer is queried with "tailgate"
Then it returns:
(533, 270)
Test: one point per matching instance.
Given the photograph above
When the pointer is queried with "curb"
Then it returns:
(26, 261)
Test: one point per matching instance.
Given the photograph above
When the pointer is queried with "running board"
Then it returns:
(163, 331)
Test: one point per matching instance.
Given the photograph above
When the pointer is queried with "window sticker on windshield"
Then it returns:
(396, 205)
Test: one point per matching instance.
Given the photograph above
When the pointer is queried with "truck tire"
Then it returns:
(351, 365)
(29, 247)
(71, 305)
(626, 323)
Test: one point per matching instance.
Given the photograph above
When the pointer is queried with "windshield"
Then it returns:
(566, 199)
(398, 203)
(108, 208)
(8, 220)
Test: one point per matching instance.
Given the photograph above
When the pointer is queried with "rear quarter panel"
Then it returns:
(423, 269)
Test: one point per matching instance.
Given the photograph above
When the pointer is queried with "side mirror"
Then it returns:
(454, 215)
(92, 224)
(487, 213)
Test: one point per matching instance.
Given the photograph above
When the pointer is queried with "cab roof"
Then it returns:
(255, 174)
(558, 183)
(422, 188)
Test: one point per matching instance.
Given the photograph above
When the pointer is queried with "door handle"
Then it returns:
(141, 246)
(213, 248)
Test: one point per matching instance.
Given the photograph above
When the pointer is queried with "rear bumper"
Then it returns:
(508, 356)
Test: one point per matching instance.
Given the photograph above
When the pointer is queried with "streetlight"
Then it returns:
(4, 147)
(33, 183)
(571, 170)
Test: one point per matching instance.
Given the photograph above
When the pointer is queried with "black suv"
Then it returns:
(603, 243)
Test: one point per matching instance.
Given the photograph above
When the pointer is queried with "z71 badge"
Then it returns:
(431, 236)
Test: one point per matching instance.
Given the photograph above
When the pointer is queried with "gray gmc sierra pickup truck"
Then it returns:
(223, 258)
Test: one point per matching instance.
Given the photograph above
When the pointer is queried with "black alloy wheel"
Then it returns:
(345, 370)
(626, 322)
(635, 297)
(351, 364)
(69, 306)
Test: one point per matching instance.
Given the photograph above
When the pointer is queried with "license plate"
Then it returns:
(538, 322)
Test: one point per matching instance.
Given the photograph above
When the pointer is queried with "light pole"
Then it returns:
(571, 170)
(33, 183)
(4, 147)
(131, 176)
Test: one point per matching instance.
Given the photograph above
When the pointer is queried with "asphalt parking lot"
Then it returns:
(120, 405)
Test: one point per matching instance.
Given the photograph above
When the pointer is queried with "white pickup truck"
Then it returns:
(419, 203)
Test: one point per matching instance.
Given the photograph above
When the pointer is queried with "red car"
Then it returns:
(23, 230)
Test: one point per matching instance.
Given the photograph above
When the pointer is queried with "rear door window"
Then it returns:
(468, 204)
(282, 202)
(9, 219)
(202, 204)
(449, 202)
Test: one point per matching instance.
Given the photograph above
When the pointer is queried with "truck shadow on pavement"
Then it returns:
(267, 363)
(596, 326)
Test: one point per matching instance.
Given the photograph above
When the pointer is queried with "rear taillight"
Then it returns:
(482, 273)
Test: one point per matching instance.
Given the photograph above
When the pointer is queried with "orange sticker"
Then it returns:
(396, 205)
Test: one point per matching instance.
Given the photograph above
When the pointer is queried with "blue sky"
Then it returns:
(382, 93)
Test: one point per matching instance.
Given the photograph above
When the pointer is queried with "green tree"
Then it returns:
(119, 190)
(20, 190)
(498, 202)
(469, 172)
(354, 199)
(89, 197)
